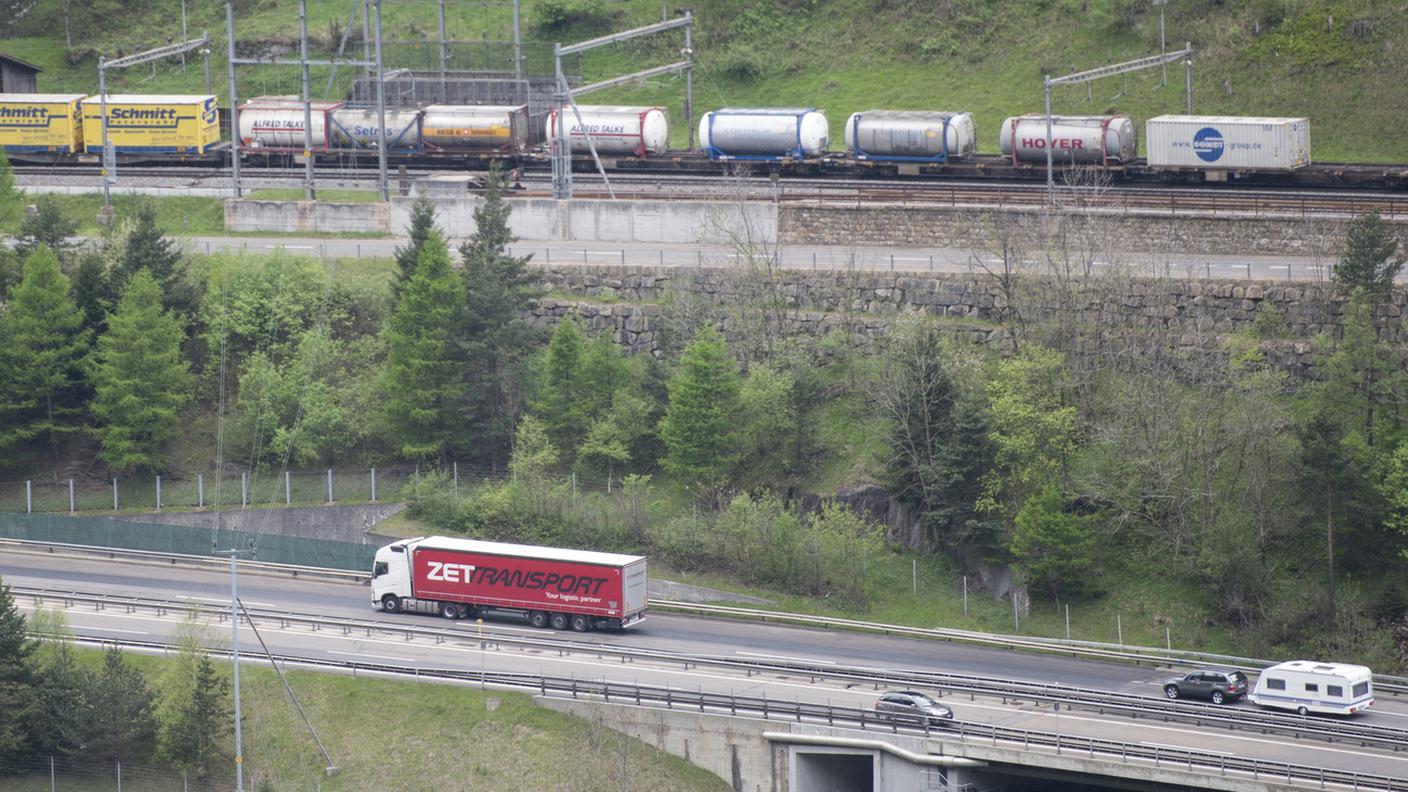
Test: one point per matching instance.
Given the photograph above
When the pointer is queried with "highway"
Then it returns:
(1301, 269)
(696, 636)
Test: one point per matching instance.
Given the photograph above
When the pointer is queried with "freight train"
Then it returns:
(790, 141)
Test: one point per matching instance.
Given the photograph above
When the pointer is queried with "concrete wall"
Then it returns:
(336, 523)
(678, 222)
(306, 216)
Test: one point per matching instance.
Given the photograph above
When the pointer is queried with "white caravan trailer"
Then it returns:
(1307, 686)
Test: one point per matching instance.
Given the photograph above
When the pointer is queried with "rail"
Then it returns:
(1132, 706)
(1384, 683)
(1115, 752)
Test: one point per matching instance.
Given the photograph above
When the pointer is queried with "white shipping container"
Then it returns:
(1228, 143)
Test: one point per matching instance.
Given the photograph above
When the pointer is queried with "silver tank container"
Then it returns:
(276, 122)
(478, 127)
(356, 127)
(1089, 140)
(911, 133)
(765, 132)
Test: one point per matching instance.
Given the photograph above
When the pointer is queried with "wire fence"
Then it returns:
(67, 774)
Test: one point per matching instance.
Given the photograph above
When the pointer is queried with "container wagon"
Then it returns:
(1307, 686)
(1218, 145)
(547, 586)
(158, 124)
(41, 123)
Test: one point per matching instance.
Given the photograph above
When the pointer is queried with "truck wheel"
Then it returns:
(581, 623)
(450, 610)
(558, 621)
(390, 603)
(538, 619)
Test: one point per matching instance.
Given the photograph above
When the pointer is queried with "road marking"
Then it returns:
(379, 657)
(226, 601)
(1185, 748)
(110, 629)
(786, 657)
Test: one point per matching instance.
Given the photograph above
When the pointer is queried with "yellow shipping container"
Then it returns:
(41, 122)
(152, 124)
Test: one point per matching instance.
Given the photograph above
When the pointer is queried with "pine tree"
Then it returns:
(19, 703)
(64, 690)
(422, 223)
(10, 272)
(559, 403)
(147, 248)
(1053, 545)
(1368, 261)
(140, 381)
(47, 227)
(41, 356)
(93, 291)
(424, 377)
(195, 738)
(700, 423)
(494, 336)
(124, 728)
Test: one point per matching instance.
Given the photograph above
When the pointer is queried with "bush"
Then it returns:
(556, 17)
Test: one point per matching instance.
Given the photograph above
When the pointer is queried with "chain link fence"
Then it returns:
(68, 774)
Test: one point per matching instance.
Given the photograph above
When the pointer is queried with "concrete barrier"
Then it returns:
(306, 216)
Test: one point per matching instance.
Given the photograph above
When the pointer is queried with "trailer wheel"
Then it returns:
(538, 619)
(390, 603)
(581, 623)
(558, 621)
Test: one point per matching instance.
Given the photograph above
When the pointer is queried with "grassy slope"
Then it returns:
(1276, 57)
(845, 55)
(425, 737)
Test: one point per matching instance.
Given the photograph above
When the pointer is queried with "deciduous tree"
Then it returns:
(140, 380)
(1053, 545)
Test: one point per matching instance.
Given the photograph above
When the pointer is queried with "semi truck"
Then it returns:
(547, 586)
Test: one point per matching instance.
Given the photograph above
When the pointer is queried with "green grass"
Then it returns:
(408, 737)
(175, 216)
(1276, 57)
(330, 196)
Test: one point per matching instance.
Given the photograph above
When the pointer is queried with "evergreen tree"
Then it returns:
(124, 728)
(41, 356)
(494, 336)
(48, 227)
(1368, 261)
(140, 381)
(19, 701)
(93, 292)
(560, 396)
(10, 272)
(145, 247)
(422, 223)
(424, 377)
(1053, 545)
(700, 423)
(64, 690)
(195, 737)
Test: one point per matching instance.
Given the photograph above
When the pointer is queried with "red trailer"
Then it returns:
(549, 586)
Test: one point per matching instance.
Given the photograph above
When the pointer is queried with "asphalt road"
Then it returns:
(681, 634)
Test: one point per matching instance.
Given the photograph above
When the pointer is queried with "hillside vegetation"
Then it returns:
(1324, 59)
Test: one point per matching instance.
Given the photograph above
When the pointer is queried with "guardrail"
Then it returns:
(1132, 706)
(1384, 683)
(1114, 752)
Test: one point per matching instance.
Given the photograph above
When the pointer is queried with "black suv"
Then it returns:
(913, 703)
(1217, 685)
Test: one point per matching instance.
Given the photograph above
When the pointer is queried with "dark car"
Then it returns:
(915, 704)
(1216, 685)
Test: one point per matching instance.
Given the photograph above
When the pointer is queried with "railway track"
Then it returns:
(1117, 198)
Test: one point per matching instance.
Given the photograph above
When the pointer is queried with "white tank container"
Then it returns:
(615, 130)
(764, 133)
(910, 134)
(1074, 139)
(356, 127)
(276, 122)
(1228, 143)
(501, 127)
